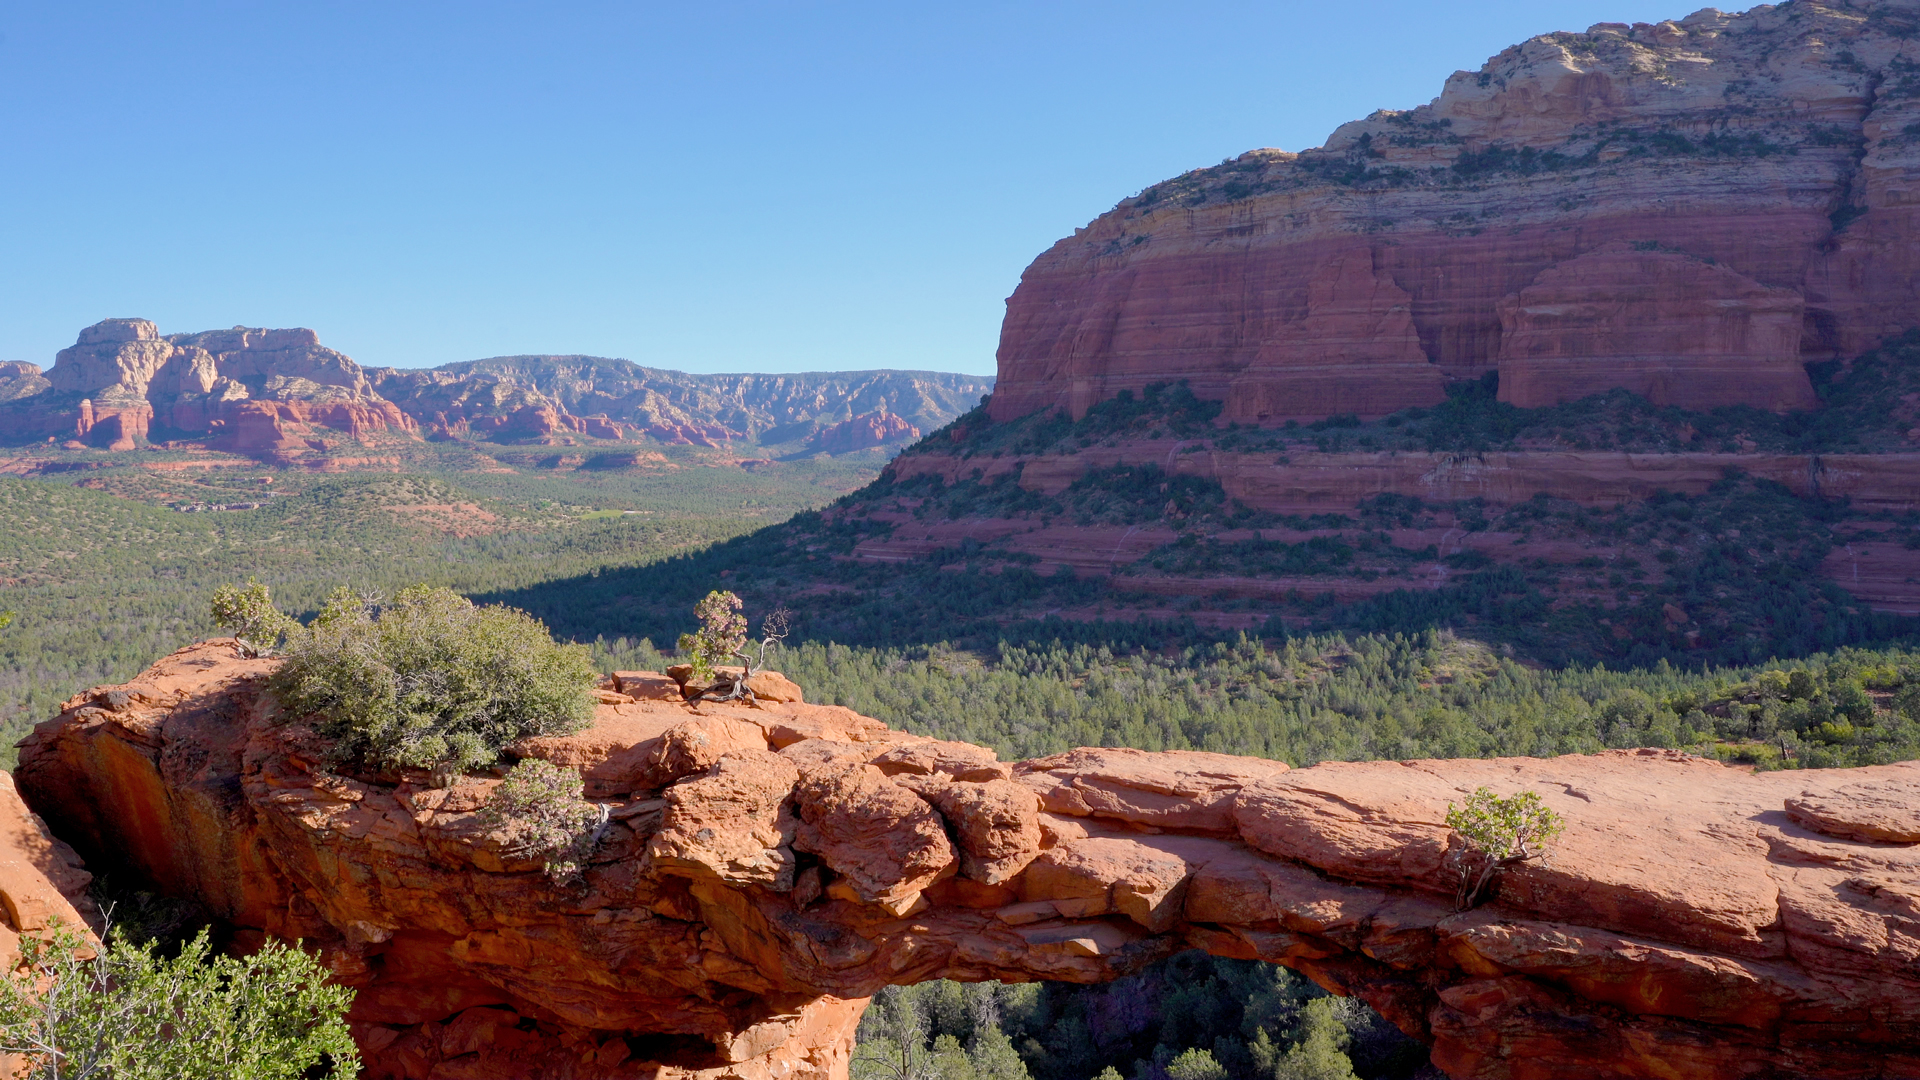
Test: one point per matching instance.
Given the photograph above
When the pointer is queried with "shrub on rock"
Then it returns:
(1497, 832)
(257, 626)
(431, 680)
(541, 808)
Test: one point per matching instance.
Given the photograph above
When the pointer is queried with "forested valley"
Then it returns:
(971, 644)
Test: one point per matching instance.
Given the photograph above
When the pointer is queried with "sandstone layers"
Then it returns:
(769, 868)
(1690, 209)
(281, 394)
(254, 391)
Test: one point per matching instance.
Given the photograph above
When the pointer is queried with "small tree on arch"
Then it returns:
(723, 636)
(248, 613)
(1498, 833)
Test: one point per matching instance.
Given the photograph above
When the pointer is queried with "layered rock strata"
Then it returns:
(771, 867)
(1690, 209)
(281, 394)
(1308, 482)
(255, 391)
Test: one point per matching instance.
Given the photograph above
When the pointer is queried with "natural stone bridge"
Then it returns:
(772, 867)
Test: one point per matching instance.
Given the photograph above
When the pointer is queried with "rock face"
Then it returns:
(672, 407)
(43, 885)
(877, 428)
(256, 391)
(770, 868)
(1690, 209)
(1671, 328)
(1356, 351)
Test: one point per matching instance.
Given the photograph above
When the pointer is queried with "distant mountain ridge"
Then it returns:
(123, 384)
(768, 408)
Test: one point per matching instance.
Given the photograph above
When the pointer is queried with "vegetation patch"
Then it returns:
(128, 1010)
(542, 809)
(431, 680)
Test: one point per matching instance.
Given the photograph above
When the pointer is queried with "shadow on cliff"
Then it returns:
(1731, 601)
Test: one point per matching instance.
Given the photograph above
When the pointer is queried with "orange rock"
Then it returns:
(1684, 925)
(773, 686)
(1673, 329)
(1356, 351)
(955, 760)
(694, 746)
(1887, 811)
(1177, 789)
(646, 686)
(884, 840)
(877, 428)
(996, 821)
(733, 824)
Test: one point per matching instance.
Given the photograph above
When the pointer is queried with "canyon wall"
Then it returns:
(1689, 209)
(769, 868)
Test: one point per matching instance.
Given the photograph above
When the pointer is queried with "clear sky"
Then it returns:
(703, 185)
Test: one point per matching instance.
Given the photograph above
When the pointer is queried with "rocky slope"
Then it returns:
(772, 867)
(280, 393)
(1688, 209)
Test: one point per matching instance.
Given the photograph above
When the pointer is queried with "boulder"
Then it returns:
(733, 824)
(884, 841)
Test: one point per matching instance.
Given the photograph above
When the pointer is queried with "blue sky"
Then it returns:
(709, 186)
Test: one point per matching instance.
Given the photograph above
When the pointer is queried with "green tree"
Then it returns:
(936, 1031)
(541, 808)
(432, 681)
(257, 626)
(1318, 1054)
(892, 1040)
(723, 636)
(722, 633)
(1497, 832)
(1196, 1064)
(130, 1013)
(993, 1056)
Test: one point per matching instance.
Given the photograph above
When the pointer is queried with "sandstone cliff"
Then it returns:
(772, 867)
(254, 391)
(1689, 209)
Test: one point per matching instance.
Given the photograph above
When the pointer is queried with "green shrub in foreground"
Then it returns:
(134, 1014)
(431, 680)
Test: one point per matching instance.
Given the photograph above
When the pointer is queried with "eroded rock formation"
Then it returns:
(280, 394)
(771, 867)
(256, 391)
(1689, 209)
(868, 430)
